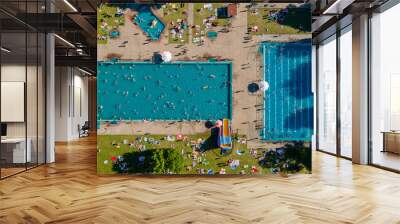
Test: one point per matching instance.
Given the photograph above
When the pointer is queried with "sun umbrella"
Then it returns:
(218, 123)
(166, 56)
(264, 85)
(179, 137)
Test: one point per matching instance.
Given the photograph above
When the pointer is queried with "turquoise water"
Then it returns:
(114, 34)
(168, 91)
(212, 35)
(144, 19)
(289, 100)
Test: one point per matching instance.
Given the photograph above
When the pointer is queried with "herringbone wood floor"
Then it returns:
(69, 191)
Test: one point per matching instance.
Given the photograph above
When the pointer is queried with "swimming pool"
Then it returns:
(288, 102)
(149, 23)
(168, 91)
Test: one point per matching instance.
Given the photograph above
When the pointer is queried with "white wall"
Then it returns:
(33, 127)
(80, 112)
(10, 73)
(17, 73)
(71, 87)
(62, 82)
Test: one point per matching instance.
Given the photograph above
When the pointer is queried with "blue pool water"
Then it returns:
(114, 34)
(289, 100)
(168, 91)
(144, 19)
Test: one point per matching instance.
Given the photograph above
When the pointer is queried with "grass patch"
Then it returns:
(200, 13)
(296, 21)
(210, 159)
(107, 20)
(172, 12)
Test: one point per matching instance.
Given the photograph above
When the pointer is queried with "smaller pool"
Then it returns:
(288, 102)
(212, 35)
(149, 23)
(114, 34)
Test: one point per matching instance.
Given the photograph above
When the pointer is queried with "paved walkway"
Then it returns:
(190, 20)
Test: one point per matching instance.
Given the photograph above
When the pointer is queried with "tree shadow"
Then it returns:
(288, 48)
(291, 158)
(298, 17)
(208, 124)
(211, 142)
(299, 84)
(135, 162)
(300, 153)
(157, 161)
(302, 118)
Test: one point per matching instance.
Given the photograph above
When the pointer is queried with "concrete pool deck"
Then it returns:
(154, 127)
(247, 68)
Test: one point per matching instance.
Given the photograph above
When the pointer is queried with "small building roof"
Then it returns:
(227, 11)
(232, 9)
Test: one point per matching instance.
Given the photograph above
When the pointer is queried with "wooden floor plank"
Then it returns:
(70, 191)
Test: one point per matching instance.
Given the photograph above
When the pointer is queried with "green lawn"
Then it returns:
(106, 13)
(297, 22)
(198, 18)
(174, 12)
(211, 159)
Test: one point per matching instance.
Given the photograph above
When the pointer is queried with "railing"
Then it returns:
(321, 5)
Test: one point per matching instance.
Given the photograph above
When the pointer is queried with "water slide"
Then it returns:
(225, 136)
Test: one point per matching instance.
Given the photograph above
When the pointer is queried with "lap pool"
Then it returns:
(288, 102)
(168, 91)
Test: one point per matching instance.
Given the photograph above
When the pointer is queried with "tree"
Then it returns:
(158, 161)
(167, 161)
(173, 160)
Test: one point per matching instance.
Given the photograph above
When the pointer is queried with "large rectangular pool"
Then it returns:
(167, 91)
(288, 102)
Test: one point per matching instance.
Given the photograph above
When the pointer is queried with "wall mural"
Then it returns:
(204, 88)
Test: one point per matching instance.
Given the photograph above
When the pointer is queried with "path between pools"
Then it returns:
(190, 19)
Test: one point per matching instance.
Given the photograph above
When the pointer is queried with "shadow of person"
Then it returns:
(253, 87)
